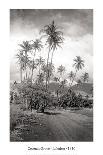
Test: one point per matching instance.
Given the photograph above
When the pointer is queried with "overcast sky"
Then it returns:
(76, 25)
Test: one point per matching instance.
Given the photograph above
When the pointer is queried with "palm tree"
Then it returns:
(32, 66)
(61, 70)
(49, 68)
(20, 58)
(40, 61)
(54, 39)
(26, 48)
(85, 77)
(40, 78)
(71, 76)
(63, 83)
(56, 79)
(37, 45)
(48, 71)
(79, 64)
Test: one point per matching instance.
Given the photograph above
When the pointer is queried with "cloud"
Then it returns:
(73, 21)
(76, 24)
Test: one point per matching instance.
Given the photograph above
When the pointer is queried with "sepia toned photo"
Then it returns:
(51, 75)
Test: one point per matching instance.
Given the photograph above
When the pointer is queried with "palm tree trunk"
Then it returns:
(40, 64)
(48, 79)
(26, 74)
(21, 74)
(26, 63)
(52, 56)
(57, 92)
(47, 69)
(32, 75)
(39, 69)
(26, 103)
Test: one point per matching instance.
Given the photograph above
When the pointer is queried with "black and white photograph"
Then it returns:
(51, 75)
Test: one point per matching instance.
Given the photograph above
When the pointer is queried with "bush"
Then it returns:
(70, 99)
(35, 97)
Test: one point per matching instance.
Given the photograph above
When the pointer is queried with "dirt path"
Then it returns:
(69, 126)
(59, 125)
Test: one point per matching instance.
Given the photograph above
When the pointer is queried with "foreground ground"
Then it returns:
(54, 125)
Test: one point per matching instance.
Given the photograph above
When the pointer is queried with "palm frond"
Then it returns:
(79, 63)
(53, 34)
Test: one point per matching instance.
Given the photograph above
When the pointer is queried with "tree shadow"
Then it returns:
(52, 113)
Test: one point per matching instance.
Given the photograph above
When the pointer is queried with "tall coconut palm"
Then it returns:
(48, 71)
(85, 77)
(61, 70)
(26, 48)
(54, 39)
(40, 61)
(36, 46)
(20, 58)
(79, 64)
(50, 68)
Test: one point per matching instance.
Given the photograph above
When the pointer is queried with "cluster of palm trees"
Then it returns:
(26, 48)
(72, 76)
(54, 38)
(78, 64)
(29, 63)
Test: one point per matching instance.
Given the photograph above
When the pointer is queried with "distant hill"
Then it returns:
(84, 87)
(54, 86)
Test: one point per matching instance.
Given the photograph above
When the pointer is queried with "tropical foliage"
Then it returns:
(34, 89)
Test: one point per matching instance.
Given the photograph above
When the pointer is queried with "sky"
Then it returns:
(77, 28)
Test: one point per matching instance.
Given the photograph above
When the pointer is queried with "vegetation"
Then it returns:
(33, 92)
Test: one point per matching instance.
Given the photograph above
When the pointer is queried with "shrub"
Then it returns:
(70, 99)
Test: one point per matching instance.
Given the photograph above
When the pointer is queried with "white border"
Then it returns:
(82, 148)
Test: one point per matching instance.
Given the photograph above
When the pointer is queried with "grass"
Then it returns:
(53, 125)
